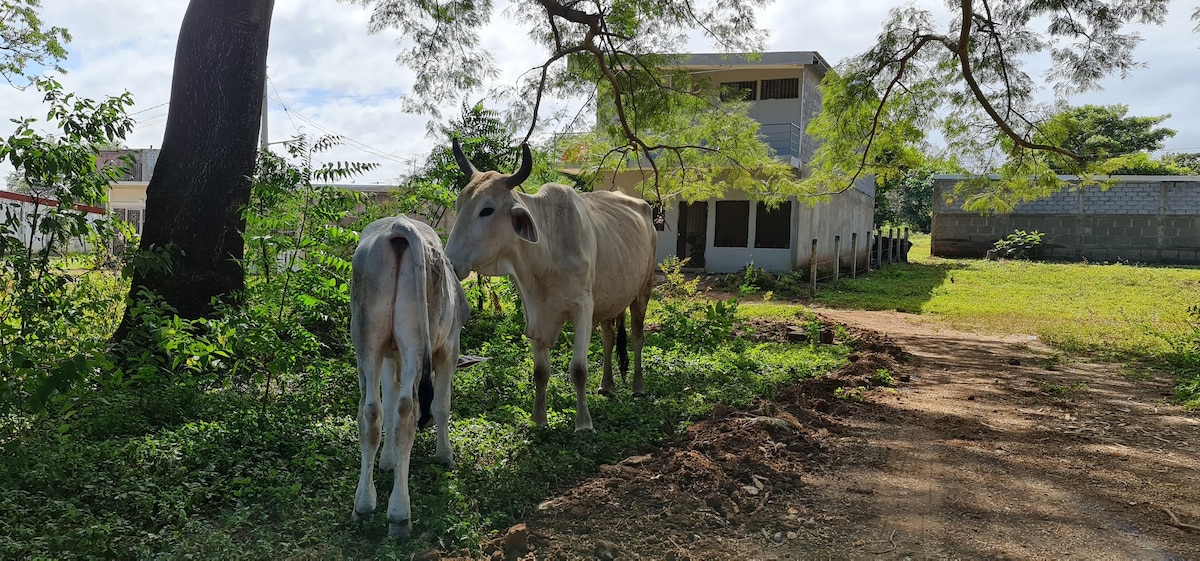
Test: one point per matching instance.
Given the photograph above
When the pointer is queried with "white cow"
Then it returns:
(582, 258)
(406, 311)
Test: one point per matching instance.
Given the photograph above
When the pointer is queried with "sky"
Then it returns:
(327, 74)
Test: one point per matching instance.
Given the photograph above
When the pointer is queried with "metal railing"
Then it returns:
(785, 139)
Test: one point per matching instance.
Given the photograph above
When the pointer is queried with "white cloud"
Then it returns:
(324, 66)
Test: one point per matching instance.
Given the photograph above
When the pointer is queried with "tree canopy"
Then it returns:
(617, 55)
(25, 40)
(1101, 132)
(965, 80)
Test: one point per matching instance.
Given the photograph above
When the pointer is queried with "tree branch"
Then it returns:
(963, 53)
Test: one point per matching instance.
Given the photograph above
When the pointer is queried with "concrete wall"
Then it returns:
(1145, 219)
(21, 210)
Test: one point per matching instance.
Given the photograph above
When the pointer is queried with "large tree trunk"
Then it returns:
(202, 178)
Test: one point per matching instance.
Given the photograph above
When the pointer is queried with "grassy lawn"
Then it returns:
(1112, 311)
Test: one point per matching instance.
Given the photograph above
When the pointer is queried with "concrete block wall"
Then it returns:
(1142, 219)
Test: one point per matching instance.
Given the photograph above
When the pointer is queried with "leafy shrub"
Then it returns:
(54, 312)
(1018, 245)
(687, 318)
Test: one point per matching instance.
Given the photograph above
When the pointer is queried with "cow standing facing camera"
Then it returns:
(578, 257)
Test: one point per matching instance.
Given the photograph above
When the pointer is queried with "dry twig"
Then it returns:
(1179, 524)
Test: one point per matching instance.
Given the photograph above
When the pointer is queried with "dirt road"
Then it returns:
(988, 448)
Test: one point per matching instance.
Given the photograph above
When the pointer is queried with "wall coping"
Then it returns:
(1117, 178)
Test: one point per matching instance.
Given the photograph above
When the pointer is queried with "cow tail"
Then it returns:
(622, 346)
(415, 268)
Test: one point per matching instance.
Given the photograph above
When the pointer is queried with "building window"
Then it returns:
(783, 88)
(738, 91)
(733, 224)
(773, 227)
(133, 216)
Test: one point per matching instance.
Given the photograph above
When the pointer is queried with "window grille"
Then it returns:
(783, 88)
(773, 227)
(733, 224)
(738, 91)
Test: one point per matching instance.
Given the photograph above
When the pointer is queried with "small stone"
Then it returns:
(516, 540)
(606, 550)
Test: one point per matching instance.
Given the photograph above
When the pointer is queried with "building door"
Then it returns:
(693, 230)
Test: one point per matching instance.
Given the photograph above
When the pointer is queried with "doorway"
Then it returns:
(692, 233)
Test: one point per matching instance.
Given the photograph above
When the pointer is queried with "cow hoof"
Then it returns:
(606, 392)
(400, 530)
(357, 516)
(585, 430)
(639, 394)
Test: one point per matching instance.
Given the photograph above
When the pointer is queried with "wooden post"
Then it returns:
(892, 235)
(879, 248)
(854, 252)
(837, 257)
(812, 269)
(904, 244)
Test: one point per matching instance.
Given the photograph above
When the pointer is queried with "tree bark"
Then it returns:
(201, 181)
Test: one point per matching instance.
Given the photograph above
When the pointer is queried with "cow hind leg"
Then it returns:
(606, 337)
(370, 429)
(399, 510)
(391, 396)
(637, 320)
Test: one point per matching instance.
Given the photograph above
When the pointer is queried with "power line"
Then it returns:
(163, 104)
(350, 141)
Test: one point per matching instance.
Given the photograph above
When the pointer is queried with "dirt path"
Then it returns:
(989, 447)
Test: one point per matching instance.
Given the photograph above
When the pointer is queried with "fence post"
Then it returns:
(854, 252)
(837, 257)
(892, 235)
(902, 245)
(812, 269)
(879, 247)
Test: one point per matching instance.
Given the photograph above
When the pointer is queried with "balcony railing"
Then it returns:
(786, 139)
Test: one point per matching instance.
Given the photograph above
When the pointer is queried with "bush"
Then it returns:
(1018, 245)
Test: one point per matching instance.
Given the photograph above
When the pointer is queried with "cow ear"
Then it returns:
(523, 224)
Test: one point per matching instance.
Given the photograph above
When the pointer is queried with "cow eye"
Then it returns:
(486, 212)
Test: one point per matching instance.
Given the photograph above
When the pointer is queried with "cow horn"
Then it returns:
(526, 167)
(463, 163)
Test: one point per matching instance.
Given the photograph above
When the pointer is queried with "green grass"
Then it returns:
(1110, 311)
(222, 471)
(1113, 310)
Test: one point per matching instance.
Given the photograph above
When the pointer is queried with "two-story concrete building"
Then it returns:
(725, 234)
(127, 195)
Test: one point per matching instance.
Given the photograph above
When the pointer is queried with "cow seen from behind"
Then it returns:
(407, 308)
(577, 257)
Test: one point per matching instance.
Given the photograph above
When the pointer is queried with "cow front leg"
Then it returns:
(579, 370)
(541, 376)
(607, 336)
